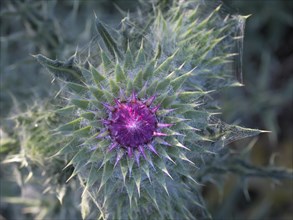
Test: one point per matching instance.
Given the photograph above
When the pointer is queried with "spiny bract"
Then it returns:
(146, 94)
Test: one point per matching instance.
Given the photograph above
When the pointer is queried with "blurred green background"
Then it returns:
(265, 102)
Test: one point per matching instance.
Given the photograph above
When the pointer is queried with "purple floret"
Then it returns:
(132, 124)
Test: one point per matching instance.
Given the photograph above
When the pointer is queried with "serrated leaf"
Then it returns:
(97, 76)
(66, 110)
(172, 132)
(178, 82)
(83, 132)
(166, 100)
(188, 96)
(164, 154)
(94, 175)
(128, 60)
(198, 116)
(106, 62)
(78, 88)
(88, 115)
(109, 97)
(174, 120)
(70, 126)
(129, 87)
(183, 157)
(114, 87)
(149, 70)
(119, 74)
(230, 133)
(208, 18)
(86, 75)
(182, 108)
(152, 88)
(163, 84)
(175, 143)
(107, 173)
(138, 80)
(140, 58)
(66, 70)
(183, 126)
(80, 156)
(152, 196)
(162, 166)
(130, 163)
(137, 180)
(107, 39)
(81, 103)
(146, 170)
(70, 147)
(158, 51)
(108, 190)
(163, 112)
(192, 136)
(98, 148)
(162, 181)
(129, 189)
(124, 169)
(98, 93)
(164, 67)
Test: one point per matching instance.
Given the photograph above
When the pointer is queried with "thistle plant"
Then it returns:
(135, 116)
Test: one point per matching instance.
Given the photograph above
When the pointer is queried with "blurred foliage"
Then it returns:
(266, 102)
(266, 99)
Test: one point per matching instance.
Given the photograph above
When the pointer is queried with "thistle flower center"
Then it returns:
(132, 123)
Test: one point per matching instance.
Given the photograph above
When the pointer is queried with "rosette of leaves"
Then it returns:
(141, 123)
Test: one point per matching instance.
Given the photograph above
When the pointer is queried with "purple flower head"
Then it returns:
(133, 124)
